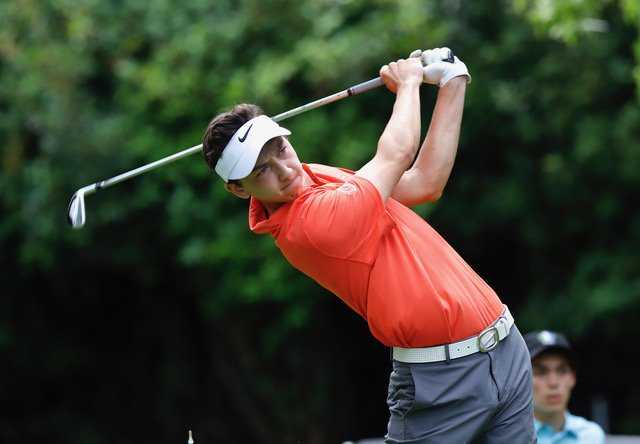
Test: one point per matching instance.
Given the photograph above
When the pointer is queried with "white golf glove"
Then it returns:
(440, 66)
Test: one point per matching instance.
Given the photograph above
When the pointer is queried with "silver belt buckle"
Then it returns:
(488, 339)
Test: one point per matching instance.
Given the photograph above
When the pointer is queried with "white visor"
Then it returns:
(241, 153)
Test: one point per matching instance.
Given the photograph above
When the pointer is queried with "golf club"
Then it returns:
(77, 212)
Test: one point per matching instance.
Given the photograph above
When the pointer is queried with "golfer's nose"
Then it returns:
(284, 171)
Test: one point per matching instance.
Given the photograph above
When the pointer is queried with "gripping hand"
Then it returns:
(440, 66)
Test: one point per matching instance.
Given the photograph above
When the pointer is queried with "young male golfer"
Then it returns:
(461, 370)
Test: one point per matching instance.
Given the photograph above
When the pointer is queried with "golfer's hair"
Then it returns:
(222, 127)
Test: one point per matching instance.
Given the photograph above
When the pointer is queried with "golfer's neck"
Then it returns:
(271, 207)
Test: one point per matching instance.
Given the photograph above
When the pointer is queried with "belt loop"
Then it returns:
(446, 353)
(391, 353)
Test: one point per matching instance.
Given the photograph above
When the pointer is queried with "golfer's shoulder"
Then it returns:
(328, 173)
(336, 214)
(342, 180)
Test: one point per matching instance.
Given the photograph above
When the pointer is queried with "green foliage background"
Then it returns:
(165, 313)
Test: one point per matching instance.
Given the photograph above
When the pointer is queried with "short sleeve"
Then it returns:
(346, 220)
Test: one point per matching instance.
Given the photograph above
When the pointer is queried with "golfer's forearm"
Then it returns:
(401, 137)
(438, 152)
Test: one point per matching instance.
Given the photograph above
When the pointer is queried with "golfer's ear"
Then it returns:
(237, 189)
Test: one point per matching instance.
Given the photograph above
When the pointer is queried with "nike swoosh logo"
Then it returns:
(242, 139)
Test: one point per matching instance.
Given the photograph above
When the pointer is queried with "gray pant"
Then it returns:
(481, 398)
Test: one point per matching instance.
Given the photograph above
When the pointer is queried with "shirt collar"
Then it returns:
(569, 426)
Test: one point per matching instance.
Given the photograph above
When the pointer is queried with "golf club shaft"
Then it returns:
(356, 89)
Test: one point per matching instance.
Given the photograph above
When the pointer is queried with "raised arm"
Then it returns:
(399, 141)
(426, 179)
(428, 176)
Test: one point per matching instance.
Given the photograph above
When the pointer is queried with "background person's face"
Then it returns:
(553, 380)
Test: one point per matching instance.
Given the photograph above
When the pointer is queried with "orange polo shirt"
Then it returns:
(382, 259)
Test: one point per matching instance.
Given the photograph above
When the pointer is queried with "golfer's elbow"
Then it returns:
(414, 197)
(431, 189)
(433, 195)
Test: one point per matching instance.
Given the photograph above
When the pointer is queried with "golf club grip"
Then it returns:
(365, 86)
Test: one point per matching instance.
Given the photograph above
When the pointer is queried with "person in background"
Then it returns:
(554, 376)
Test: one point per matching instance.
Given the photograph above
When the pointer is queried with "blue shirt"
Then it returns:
(576, 430)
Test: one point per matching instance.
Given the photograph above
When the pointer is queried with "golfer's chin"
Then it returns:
(292, 189)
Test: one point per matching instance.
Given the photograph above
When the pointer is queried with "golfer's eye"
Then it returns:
(282, 148)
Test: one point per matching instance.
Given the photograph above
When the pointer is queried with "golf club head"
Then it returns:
(76, 216)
